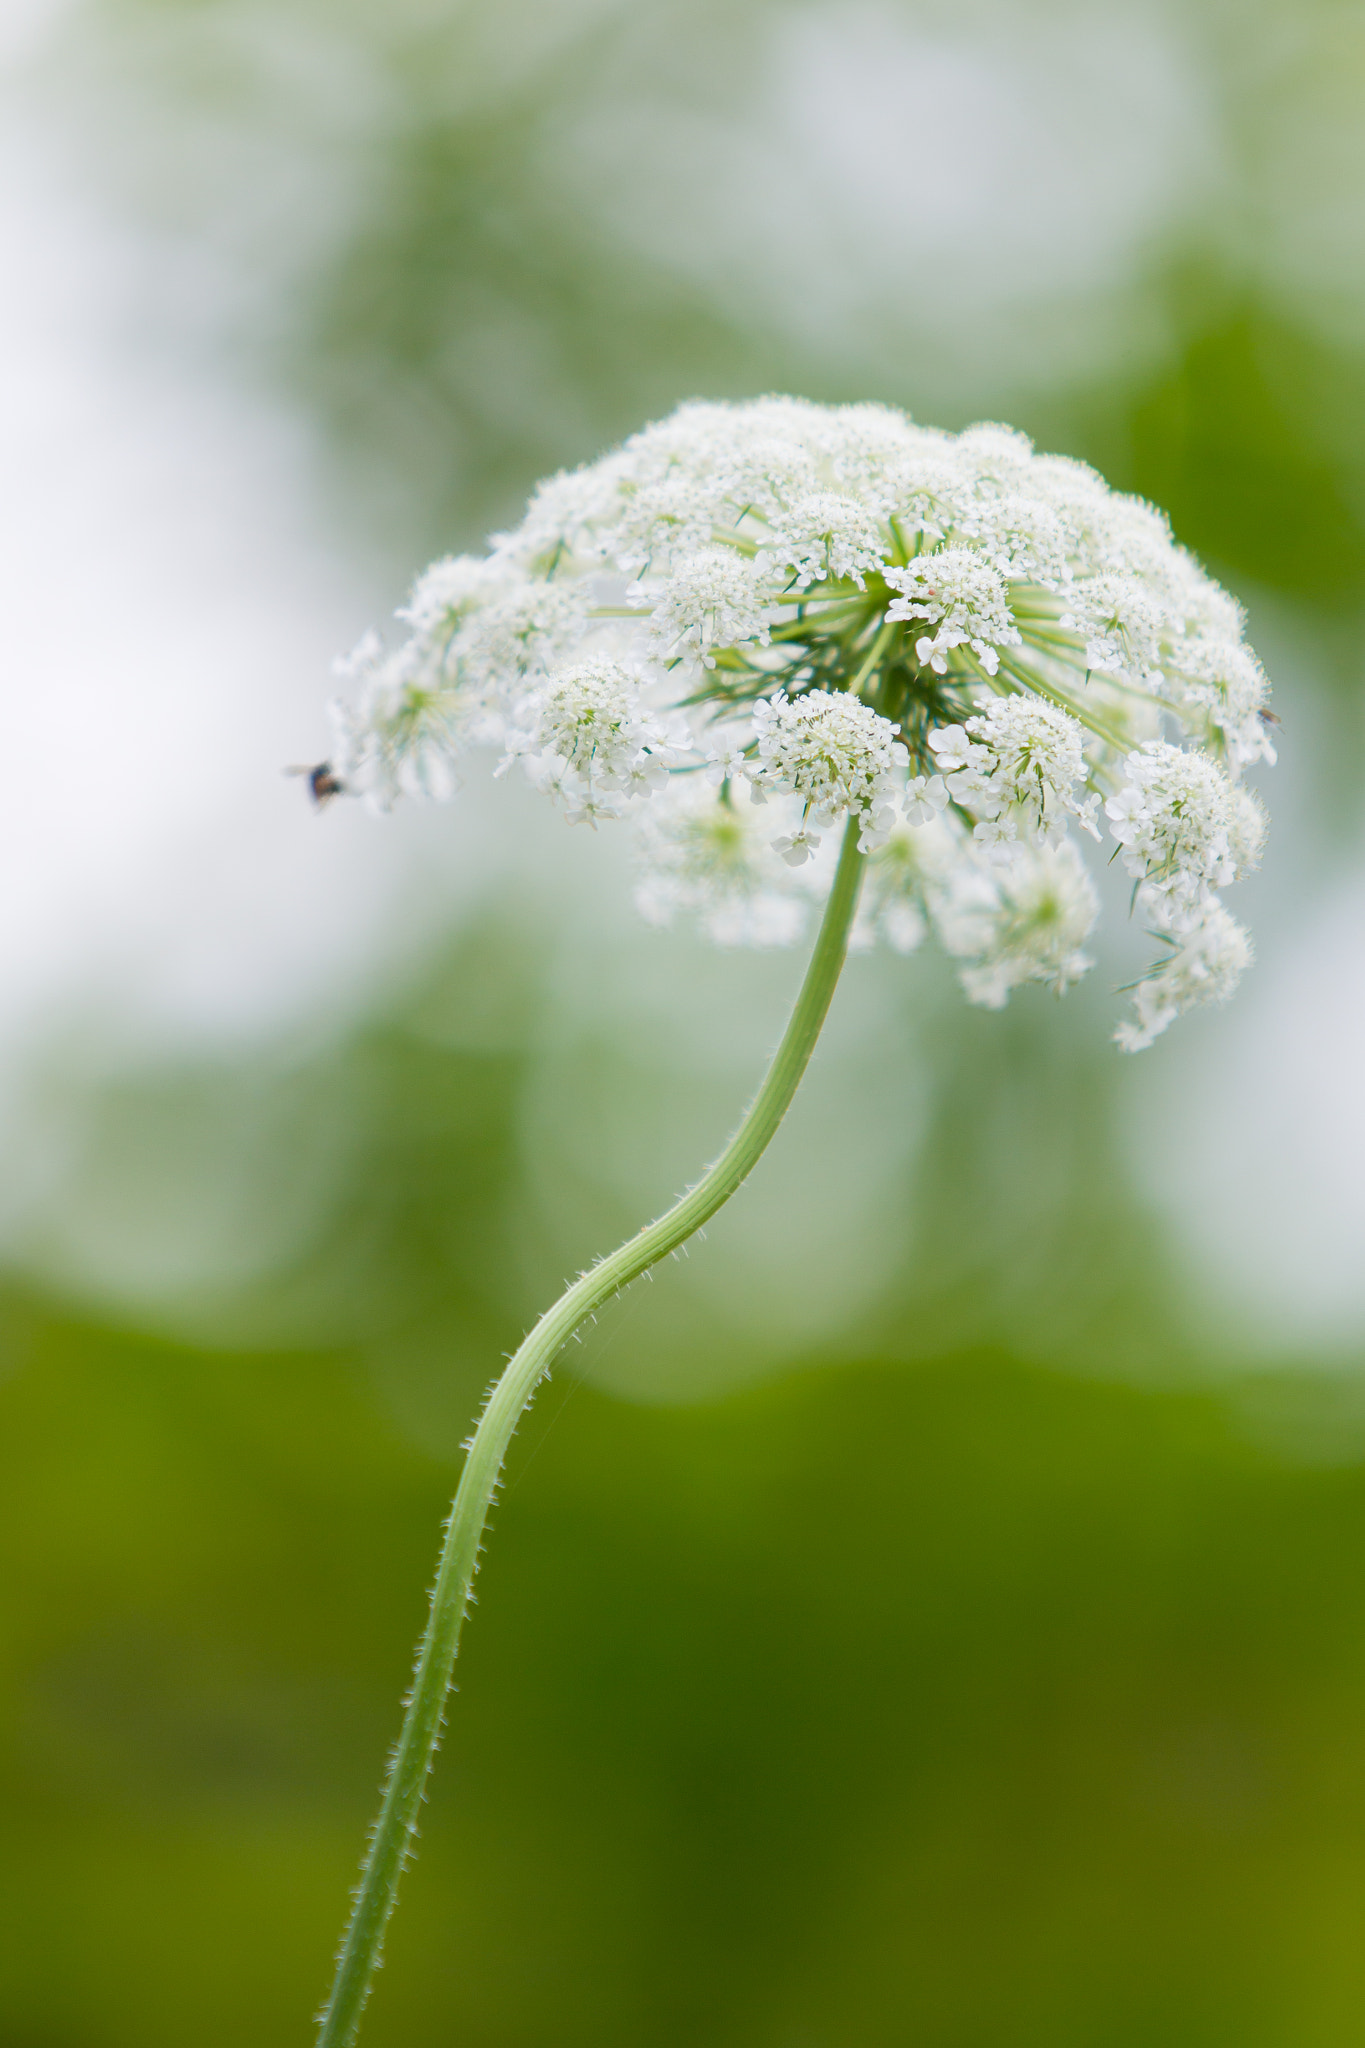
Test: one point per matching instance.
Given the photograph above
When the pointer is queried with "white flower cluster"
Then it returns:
(716, 598)
(589, 742)
(823, 536)
(838, 756)
(1204, 965)
(1025, 922)
(1185, 829)
(404, 735)
(1017, 767)
(959, 591)
(707, 857)
(1028, 922)
(965, 647)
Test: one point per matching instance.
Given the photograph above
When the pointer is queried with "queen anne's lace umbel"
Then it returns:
(837, 755)
(969, 648)
(1018, 766)
(1027, 922)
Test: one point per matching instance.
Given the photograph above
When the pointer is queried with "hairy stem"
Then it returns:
(391, 1842)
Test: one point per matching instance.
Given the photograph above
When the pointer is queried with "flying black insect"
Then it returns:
(323, 783)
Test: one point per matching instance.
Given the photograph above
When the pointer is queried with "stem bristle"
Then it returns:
(392, 1839)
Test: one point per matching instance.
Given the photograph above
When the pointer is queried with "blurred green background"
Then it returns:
(931, 1613)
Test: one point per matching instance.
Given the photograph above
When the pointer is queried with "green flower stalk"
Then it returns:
(798, 648)
(417, 1745)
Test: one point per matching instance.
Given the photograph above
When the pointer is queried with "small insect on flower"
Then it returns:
(323, 783)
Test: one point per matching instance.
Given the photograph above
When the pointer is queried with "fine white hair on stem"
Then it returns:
(837, 612)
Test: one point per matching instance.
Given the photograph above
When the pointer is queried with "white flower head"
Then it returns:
(1021, 536)
(837, 754)
(708, 859)
(1121, 623)
(1027, 922)
(715, 598)
(1184, 828)
(403, 737)
(1206, 961)
(590, 744)
(826, 536)
(447, 590)
(867, 452)
(1018, 763)
(564, 521)
(1000, 454)
(902, 878)
(1221, 689)
(863, 618)
(932, 493)
(961, 594)
(521, 631)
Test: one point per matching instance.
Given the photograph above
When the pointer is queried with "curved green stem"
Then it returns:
(392, 1839)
